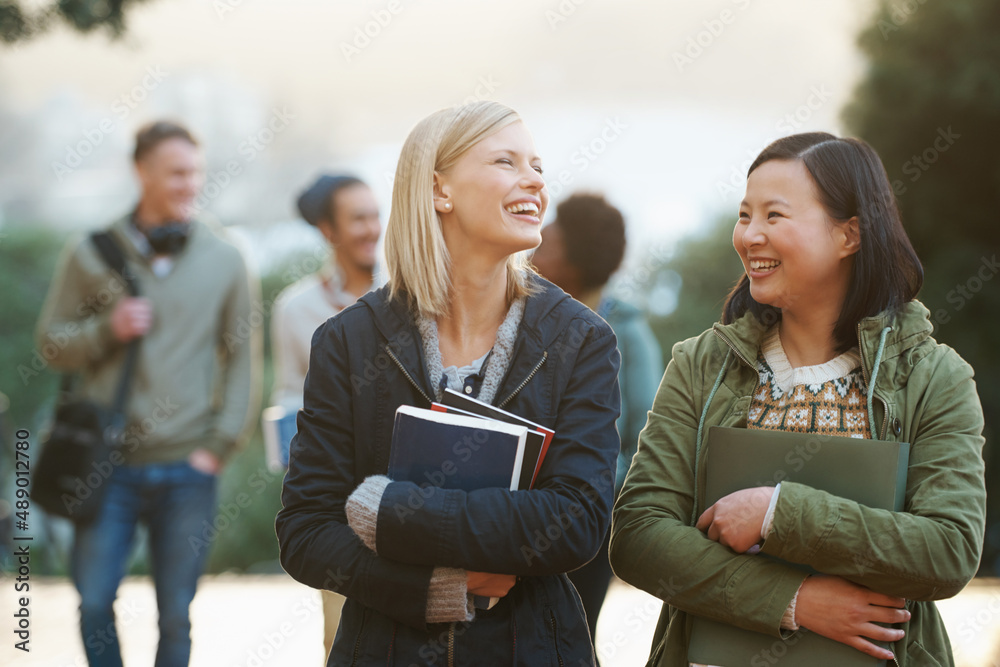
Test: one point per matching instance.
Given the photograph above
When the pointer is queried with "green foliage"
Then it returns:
(242, 534)
(703, 268)
(27, 260)
(930, 105)
(19, 23)
(938, 71)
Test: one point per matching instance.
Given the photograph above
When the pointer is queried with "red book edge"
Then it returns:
(547, 432)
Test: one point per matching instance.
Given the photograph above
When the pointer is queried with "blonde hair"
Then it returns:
(416, 255)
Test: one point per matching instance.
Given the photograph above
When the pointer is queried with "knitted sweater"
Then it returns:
(828, 398)
(195, 383)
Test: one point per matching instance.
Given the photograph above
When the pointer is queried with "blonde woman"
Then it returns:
(462, 309)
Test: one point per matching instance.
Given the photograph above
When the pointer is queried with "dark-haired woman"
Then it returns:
(821, 335)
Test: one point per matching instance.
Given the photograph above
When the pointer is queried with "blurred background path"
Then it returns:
(272, 620)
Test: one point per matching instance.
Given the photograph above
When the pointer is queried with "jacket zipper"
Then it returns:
(357, 642)
(885, 406)
(406, 373)
(555, 637)
(733, 348)
(545, 355)
(451, 645)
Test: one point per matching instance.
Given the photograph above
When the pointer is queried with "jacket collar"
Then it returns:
(543, 321)
(910, 325)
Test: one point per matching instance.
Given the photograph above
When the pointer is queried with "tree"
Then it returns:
(19, 24)
(700, 273)
(929, 103)
(27, 260)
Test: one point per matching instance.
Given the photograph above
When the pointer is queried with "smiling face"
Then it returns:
(796, 257)
(494, 197)
(356, 227)
(171, 175)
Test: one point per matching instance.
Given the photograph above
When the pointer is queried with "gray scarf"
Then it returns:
(497, 363)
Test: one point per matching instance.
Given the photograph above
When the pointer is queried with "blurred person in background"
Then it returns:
(194, 394)
(344, 210)
(580, 251)
(464, 310)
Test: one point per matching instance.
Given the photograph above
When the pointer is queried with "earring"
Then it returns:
(447, 206)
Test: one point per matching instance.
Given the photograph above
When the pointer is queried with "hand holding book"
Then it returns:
(738, 463)
(736, 520)
(459, 450)
(848, 613)
(487, 584)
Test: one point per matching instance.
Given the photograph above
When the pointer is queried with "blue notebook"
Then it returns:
(452, 451)
(278, 427)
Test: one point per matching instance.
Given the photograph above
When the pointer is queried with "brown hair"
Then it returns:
(593, 235)
(153, 134)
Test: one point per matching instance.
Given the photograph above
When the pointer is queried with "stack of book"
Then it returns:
(464, 443)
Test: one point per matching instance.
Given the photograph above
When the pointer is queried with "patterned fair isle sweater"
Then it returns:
(829, 398)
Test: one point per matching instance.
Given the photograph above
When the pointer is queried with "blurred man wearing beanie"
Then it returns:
(344, 210)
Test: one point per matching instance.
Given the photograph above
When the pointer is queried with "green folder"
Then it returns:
(870, 472)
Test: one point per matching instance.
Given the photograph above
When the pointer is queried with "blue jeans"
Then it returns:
(174, 501)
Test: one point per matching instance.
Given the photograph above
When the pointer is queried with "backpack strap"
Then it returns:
(112, 255)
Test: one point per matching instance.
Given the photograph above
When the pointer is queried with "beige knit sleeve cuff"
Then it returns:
(362, 508)
(448, 600)
(788, 618)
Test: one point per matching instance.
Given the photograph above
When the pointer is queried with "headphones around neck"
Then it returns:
(168, 238)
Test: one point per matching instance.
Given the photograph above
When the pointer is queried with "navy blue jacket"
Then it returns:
(367, 361)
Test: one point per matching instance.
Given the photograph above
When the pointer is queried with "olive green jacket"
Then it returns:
(923, 393)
